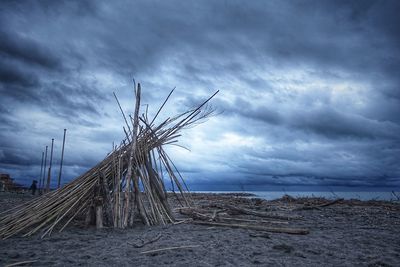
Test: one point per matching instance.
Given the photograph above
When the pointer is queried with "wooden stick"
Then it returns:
(133, 150)
(147, 242)
(99, 216)
(319, 206)
(249, 220)
(294, 231)
(41, 172)
(61, 161)
(165, 101)
(169, 248)
(51, 161)
(122, 111)
(106, 196)
(44, 170)
(261, 214)
(20, 263)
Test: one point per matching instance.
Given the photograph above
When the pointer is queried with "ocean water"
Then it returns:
(331, 195)
(363, 195)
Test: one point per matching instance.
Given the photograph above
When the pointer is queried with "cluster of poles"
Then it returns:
(44, 184)
(127, 186)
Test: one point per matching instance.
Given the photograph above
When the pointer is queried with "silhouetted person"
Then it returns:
(33, 187)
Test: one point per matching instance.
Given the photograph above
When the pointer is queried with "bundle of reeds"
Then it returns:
(127, 185)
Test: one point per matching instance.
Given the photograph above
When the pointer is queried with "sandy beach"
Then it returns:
(347, 233)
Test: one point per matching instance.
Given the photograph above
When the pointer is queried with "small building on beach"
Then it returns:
(7, 183)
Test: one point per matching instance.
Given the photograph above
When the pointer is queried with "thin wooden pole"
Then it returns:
(41, 172)
(62, 158)
(44, 169)
(131, 158)
(51, 160)
(165, 101)
(122, 111)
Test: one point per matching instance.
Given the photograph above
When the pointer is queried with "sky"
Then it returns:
(309, 90)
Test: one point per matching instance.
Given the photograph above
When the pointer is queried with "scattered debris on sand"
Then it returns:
(347, 233)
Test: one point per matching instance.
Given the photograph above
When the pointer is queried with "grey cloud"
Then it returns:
(247, 110)
(12, 76)
(8, 158)
(333, 124)
(19, 48)
(324, 121)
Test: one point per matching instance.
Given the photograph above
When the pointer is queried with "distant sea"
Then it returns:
(270, 195)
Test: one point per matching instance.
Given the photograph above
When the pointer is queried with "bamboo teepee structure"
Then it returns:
(127, 185)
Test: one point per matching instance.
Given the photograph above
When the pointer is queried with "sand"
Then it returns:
(351, 233)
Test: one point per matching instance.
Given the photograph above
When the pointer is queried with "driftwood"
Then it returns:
(214, 220)
(221, 218)
(263, 235)
(168, 248)
(235, 209)
(294, 231)
(318, 206)
(144, 243)
(196, 214)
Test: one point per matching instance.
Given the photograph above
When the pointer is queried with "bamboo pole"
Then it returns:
(62, 159)
(122, 111)
(133, 150)
(49, 173)
(44, 170)
(41, 172)
(99, 216)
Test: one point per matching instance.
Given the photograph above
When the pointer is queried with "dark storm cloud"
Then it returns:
(307, 87)
(334, 124)
(12, 76)
(36, 71)
(14, 47)
(268, 31)
(323, 121)
(8, 158)
(245, 109)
